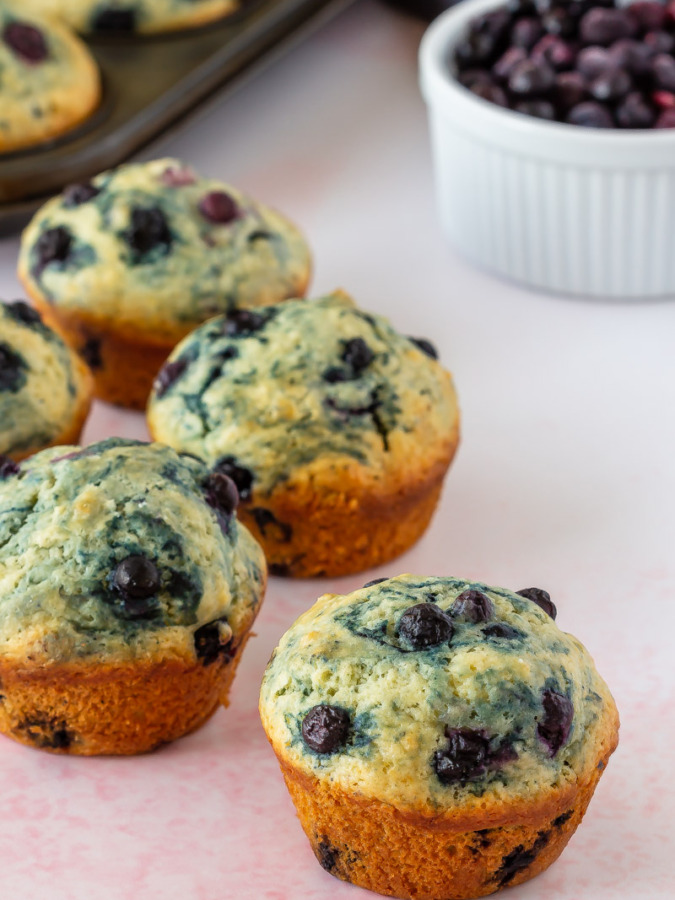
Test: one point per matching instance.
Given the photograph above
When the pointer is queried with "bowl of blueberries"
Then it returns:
(553, 136)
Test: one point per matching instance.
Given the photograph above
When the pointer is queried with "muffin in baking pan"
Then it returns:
(441, 739)
(135, 16)
(337, 430)
(131, 262)
(50, 81)
(45, 388)
(127, 593)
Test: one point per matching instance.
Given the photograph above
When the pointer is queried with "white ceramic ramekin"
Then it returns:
(577, 210)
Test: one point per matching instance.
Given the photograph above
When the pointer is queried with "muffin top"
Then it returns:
(134, 16)
(431, 692)
(306, 389)
(153, 249)
(49, 81)
(119, 551)
(44, 386)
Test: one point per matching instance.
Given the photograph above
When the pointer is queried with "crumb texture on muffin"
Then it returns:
(443, 711)
(50, 81)
(45, 390)
(135, 16)
(150, 250)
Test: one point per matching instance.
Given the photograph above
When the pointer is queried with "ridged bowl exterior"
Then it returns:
(559, 207)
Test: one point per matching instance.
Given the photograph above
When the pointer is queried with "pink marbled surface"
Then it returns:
(565, 479)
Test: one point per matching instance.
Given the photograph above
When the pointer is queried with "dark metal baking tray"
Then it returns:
(149, 84)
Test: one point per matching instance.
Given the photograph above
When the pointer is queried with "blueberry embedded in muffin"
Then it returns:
(130, 595)
(131, 261)
(50, 82)
(336, 429)
(45, 389)
(426, 759)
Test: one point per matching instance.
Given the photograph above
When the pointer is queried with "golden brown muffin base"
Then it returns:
(437, 857)
(91, 709)
(315, 531)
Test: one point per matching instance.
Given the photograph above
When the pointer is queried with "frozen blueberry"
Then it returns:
(218, 207)
(663, 68)
(474, 606)
(77, 194)
(374, 582)
(553, 729)
(590, 114)
(425, 625)
(526, 32)
(604, 26)
(542, 598)
(425, 346)
(466, 756)
(659, 41)
(592, 61)
(570, 89)
(148, 230)
(53, 246)
(114, 20)
(242, 477)
(507, 62)
(611, 85)
(213, 641)
(357, 354)
(24, 313)
(243, 322)
(12, 369)
(540, 109)
(221, 493)
(559, 22)
(26, 41)
(7, 467)
(555, 52)
(137, 580)
(325, 728)
(635, 56)
(475, 50)
(650, 16)
(500, 630)
(530, 78)
(168, 375)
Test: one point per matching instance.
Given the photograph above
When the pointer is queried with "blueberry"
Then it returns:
(634, 56)
(555, 52)
(666, 119)
(242, 477)
(90, 352)
(325, 728)
(526, 32)
(467, 756)
(77, 194)
(553, 729)
(425, 346)
(660, 41)
(137, 580)
(148, 230)
(475, 50)
(530, 78)
(357, 354)
(53, 246)
(611, 85)
(374, 582)
(540, 109)
(570, 89)
(492, 93)
(243, 322)
(212, 641)
(425, 625)
(507, 62)
(114, 20)
(335, 375)
(221, 493)
(559, 22)
(474, 606)
(542, 598)
(22, 312)
(26, 41)
(12, 369)
(500, 630)
(590, 115)
(168, 375)
(7, 467)
(604, 26)
(219, 207)
(519, 859)
(650, 16)
(663, 99)
(663, 68)
(592, 61)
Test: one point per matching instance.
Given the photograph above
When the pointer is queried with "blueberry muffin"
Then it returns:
(336, 429)
(45, 388)
(135, 16)
(131, 262)
(127, 593)
(50, 82)
(441, 739)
